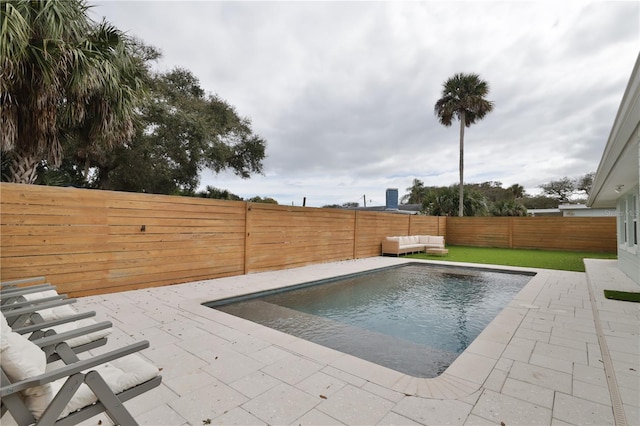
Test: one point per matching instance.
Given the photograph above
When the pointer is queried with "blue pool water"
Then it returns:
(415, 318)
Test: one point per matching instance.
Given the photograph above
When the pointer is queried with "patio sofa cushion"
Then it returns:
(411, 243)
(432, 241)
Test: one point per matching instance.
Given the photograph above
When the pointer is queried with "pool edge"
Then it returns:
(465, 376)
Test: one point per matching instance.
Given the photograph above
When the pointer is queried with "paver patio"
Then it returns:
(549, 358)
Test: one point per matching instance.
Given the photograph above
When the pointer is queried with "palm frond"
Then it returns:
(61, 71)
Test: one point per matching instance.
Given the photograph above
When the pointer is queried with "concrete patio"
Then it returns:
(559, 354)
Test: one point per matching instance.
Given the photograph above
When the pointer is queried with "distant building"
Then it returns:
(573, 210)
(392, 205)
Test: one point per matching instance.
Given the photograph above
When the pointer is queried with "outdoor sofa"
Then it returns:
(411, 244)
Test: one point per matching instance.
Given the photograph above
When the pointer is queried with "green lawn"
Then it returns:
(546, 259)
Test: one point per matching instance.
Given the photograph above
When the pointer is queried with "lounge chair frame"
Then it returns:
(108, 402)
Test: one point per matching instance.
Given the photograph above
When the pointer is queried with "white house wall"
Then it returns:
(617, 181)
(628, 223)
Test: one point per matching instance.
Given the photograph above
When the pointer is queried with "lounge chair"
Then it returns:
(16, 283)
(40, 311)
(75, 392)
(15, 295)
(11, 295)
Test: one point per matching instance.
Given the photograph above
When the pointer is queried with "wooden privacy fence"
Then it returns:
(91, 242)
(595, 234)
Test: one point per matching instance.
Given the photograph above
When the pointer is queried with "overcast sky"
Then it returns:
(344, 92)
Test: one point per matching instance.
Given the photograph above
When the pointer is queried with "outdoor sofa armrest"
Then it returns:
(390, 246)
(73, 368)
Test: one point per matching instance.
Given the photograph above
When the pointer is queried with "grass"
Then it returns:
(546, 259)
(622, 295)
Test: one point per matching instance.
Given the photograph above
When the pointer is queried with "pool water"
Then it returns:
(414, 318)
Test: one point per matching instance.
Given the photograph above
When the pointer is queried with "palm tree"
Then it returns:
(63, 76)
(517, 190)
(416, 193)
(443, 201)
(508, 208)
(463, 97)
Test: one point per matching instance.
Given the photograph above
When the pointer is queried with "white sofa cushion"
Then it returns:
(424, 239)
(409, 240)
(405, 241)
(434, 239)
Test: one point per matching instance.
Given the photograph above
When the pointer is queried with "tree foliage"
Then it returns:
(217, 194)
(539, 202)
(510, 201)
(265, 200)
(347, 205)
(565, 190)
(443, 201)
(584, 183)
(560, 189)
(486, 198)
(79, 103)
(508, 208)
(62, 77)
(493, 190)
(517, 191)
(415, 194)
(463, 97)
(184, 131)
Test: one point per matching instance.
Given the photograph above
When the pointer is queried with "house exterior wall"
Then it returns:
(628, 221)
(617, 180)
(582, 211)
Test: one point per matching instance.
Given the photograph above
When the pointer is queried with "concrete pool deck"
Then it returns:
(554, 356)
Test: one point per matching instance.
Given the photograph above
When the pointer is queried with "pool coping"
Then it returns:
(462, 378)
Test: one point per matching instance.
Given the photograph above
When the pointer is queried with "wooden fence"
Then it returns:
(594, 234)
(92, 242)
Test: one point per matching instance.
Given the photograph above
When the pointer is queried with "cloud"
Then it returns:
(344, 91)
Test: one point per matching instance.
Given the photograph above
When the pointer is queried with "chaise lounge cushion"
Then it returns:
(120, 374)
(21, 359)
(65, 311)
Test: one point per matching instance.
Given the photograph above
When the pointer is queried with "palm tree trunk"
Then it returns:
(86, 169)
(24, 168)
(461, 191)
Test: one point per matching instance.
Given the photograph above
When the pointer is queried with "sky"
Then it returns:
(344, 92)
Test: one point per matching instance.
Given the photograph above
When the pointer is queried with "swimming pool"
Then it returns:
(414, 318)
